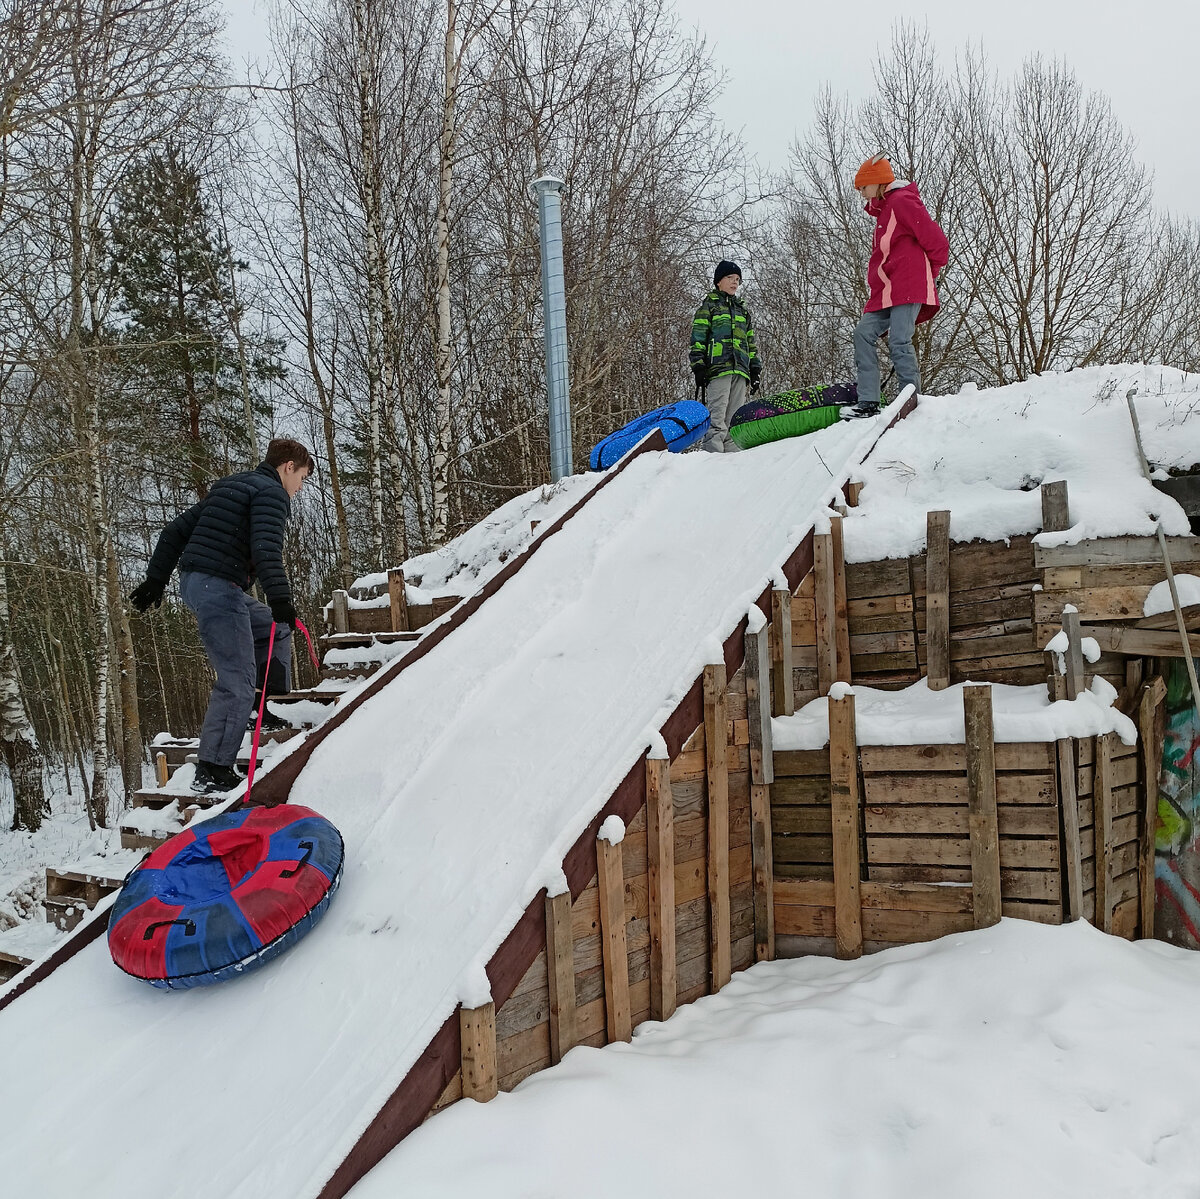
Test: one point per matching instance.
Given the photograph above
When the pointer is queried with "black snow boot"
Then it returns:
(861, 410)
(212, 779)
(271, 723)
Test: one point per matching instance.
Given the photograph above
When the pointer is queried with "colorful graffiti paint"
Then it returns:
(1177, 838)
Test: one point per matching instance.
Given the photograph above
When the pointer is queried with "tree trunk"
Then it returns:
(22, 755)
(131, 726)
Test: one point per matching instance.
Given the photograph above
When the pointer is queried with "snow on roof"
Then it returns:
(1021, 1059)
(918, 716)
(983, 455)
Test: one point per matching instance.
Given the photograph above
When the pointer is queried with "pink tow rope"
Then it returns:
(262, 703)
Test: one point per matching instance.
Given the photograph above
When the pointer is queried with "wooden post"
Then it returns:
(1056, 514)
(1074, 654)
(937, 600)
(610, 873)
(341, 612)
(715, 749)
(1151, 755)
(560, 974)
(844, 799)
(762, 773)
(781, 652)
(841, 608)
(1056, 684)
(826, 607)
(758, 706)
(477, 1028)
(160, 768)
(660, 843)
(981, 798)
(399, 600)
(1072, 852)
(853, 491)
(1102, 800)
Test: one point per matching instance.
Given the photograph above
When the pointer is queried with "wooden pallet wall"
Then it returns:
(1125, 789)
(522, 1023)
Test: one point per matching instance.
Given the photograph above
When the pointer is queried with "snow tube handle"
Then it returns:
(189, 927)
(307, 846)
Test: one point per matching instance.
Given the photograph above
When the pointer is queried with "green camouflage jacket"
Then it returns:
(723, 338)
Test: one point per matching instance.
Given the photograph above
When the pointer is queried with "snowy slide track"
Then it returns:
(461, 788)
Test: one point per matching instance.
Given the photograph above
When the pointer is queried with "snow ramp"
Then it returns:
(472, 779)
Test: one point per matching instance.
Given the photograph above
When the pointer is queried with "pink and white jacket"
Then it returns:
(908, 254)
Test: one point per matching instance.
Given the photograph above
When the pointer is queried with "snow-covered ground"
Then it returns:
(983, 455)
(1022, 1060)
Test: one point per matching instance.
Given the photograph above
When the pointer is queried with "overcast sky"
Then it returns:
(776, 54)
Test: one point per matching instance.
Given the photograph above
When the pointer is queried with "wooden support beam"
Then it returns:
(826, 609)
(853, 491)
(1056, 684)
(560, 972)
(841, 619)
(160, 768)
(660, 844)
(1102, 799)
(781, 652)
(1056, 512)
(1117, 551)
(1139, 642)
(1168, 620)
(844, 800)
(937, 599)
(1072, 850)
(981, 802)
(758, 704)
(715, 750)
(341, 611)
(762, 872)
(1151, 766)
(398, 598)
(477, 1028)
(1074, 654)
(610, 873)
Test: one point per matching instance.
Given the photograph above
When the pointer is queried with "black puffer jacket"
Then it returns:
(235, 533)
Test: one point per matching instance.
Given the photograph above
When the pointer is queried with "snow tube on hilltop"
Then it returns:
(790, 413)
(682, 424)
(226, 896)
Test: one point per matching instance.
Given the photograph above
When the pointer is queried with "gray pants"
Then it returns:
(723, 397)
(235, 629)
(898, 322)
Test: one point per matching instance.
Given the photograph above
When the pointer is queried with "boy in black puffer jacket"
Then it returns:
(220, 544)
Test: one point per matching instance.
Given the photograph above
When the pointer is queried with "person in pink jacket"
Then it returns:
(908, 254)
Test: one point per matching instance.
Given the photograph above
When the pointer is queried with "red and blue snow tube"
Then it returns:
(226, 896)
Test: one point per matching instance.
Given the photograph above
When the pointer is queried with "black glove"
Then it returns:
(701, 375)
(150, 593)
(755, 381)
(283, 612)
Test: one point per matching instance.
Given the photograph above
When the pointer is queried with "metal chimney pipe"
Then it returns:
(554, 306)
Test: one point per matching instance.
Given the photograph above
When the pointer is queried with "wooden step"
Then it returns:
(356, 640)
(11, 964)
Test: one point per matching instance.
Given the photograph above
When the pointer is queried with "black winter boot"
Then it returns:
(861, 410)
(212, 779)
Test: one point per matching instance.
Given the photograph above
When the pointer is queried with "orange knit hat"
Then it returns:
(874, 170)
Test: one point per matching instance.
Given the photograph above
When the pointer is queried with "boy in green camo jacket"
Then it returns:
(723, 356)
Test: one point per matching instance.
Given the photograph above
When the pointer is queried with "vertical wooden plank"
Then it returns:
(937, 600)
(660, 842)
(341, 612)
(1072, 852)
(763, 876)
(1150, 771)
(1074, 655)
(160, 768)
(398, 598)
(841, 617)
(715, 734)
(758, 704)
(1102, 800)
(826, 607)
(477, 1028)
(981, 801)
(611, 878)
(1056, 684)
(1056, 515)
(560, 971)
(844, 799)
(853, 491)
(781, 652)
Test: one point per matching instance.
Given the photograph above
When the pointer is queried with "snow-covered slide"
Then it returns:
(458, 787)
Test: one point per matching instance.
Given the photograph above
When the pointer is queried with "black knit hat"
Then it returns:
(725, 267)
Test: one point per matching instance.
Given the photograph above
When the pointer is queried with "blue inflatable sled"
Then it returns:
(682, 424)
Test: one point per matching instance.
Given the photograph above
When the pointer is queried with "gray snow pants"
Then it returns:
(235, 629)
(898, 323)
(723, 397)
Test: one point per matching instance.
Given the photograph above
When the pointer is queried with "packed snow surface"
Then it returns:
(984, 454)
(1187, 587)
(918, 716)
(1018, 1060)
(458, 789)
